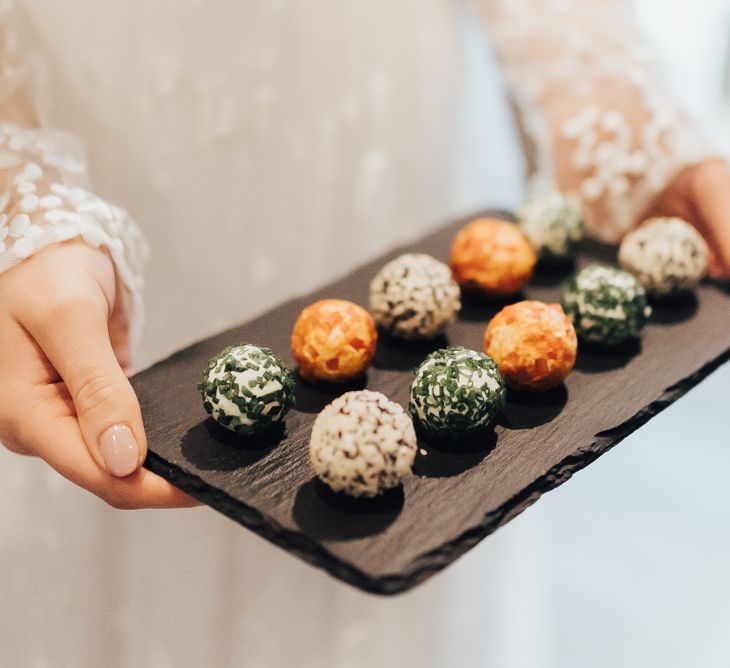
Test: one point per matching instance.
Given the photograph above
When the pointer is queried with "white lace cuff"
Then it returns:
(593, 114)
(44, 200)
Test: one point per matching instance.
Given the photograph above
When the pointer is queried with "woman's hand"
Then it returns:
(701, 195)
(64, 395)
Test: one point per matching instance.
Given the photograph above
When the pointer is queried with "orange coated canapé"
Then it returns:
(333, 340)
(492, 257)
(533, 343)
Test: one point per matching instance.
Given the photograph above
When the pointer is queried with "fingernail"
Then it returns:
(119, 450)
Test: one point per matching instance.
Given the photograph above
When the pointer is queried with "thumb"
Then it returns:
(76, 342)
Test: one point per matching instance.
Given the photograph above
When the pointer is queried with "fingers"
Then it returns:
(119, 327)
(51, 431)
(715, 268)
(54, 322)
(711, 195)
(74, 336)
(70, 457)
(20, 362)
(715, 227)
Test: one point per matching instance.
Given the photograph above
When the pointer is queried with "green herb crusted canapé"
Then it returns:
(607, 305)
(456, 391)
(247, 389)
(553, 224)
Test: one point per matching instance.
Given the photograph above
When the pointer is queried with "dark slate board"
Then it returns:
(456, 498)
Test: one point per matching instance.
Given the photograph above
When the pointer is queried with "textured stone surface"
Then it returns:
(455, 499)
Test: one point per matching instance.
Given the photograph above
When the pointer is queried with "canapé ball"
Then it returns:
(362, 444)
(607, 306)
(455, 392)
(333, 340)
(667, 255)
(492, 257)
(534, 345)
(247, 389)
(414, 297)
(553, 224)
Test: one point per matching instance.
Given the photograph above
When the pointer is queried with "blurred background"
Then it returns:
(693, 44)
(625, 565)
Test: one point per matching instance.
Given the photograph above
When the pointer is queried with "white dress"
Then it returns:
(263, 148)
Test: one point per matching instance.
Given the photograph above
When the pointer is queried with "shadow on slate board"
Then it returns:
(454, 499)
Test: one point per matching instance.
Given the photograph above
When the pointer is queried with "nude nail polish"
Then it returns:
(119, 450)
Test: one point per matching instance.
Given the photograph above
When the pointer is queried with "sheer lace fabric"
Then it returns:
(594, 119)
(44, 180)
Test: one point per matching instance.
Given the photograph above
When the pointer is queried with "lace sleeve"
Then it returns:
(594, 119)
(44, 192)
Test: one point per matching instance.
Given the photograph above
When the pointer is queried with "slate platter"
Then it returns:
(455, 499)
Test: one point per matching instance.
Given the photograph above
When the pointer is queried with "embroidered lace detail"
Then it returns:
(44, 195)
(594, 118)
(42, 202)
